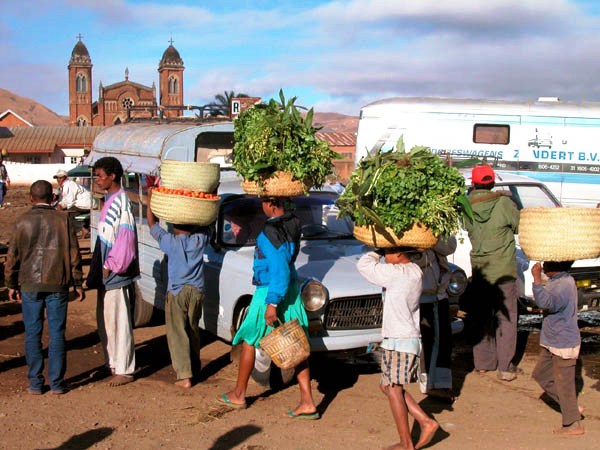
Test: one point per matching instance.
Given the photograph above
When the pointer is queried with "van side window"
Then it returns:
(491, 134)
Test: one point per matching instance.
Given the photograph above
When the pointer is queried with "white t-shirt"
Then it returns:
(403, 286)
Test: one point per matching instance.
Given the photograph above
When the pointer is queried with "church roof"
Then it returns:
(125, 83)
(170, 59)
(80, 55)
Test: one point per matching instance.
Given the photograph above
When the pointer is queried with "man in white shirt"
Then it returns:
(74, 198)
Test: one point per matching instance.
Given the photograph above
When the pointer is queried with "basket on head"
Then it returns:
(280, 184)
(560, 234)
(419, 236)
(287, 345)
(182, 210)
(195, 176)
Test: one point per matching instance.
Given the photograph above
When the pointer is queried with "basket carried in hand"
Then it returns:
(280, 184)
(560, 234)
(287, 345)
(195, 176)
(419, 236)
(182, 210)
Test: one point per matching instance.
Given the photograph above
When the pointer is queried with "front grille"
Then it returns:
(348, 313)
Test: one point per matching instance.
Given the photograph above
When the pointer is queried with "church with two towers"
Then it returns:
(118, 101)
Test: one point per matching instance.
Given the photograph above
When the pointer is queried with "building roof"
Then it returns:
(170, 58)
(125, 83)
(337, 139)
(80, 55)
(45, 139)
(10, 111)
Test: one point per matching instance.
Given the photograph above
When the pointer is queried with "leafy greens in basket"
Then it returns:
(397, 189)
(276, 137)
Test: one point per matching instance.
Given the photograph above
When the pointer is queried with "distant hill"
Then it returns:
(30, 110)
(336, 122)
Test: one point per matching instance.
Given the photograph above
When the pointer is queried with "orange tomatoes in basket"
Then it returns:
(188, 193)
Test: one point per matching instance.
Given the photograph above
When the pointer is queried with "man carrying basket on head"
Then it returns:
(277, 298)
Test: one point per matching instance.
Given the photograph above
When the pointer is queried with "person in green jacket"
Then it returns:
(493, 258)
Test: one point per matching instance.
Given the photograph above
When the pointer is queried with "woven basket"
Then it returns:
(195, 176)
(279, 185)
(560, 234)
(287, 345)
(182, 210)
(419, 236)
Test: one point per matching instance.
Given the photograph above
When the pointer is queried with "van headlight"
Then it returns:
(314, 295)
(457, 283)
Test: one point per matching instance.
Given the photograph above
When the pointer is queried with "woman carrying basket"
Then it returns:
(277, 298)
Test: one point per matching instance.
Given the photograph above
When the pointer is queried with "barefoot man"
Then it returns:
(118, 268)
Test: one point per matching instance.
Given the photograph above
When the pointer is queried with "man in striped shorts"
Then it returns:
(401, 281)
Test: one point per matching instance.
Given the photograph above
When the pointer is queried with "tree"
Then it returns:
(223, 102)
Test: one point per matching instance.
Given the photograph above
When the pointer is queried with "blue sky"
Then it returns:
(333, 55)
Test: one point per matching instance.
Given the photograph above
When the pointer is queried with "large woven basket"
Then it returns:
(287, 345)
(182, 210)
(280, 184)
(419, 236)
(195, 176)
(560, 234)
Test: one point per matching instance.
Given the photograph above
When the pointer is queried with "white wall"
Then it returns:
(22, 173)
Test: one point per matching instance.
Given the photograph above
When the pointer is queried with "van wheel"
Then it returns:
(267, 374)
(142, 310)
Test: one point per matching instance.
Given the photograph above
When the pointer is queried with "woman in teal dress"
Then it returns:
(277, 297)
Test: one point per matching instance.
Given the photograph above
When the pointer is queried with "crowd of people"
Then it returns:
(416, 334)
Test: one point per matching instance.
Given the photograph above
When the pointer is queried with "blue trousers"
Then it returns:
(33, 305)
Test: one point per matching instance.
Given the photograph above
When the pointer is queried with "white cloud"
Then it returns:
(343, 52)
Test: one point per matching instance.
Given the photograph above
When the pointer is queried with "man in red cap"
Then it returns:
(494, 265)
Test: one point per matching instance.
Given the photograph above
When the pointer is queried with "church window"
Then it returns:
(81, 83)
(127, 103)
(82, 121)
(173, 85)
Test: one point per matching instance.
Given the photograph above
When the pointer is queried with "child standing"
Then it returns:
(559, 340)
(401, 281)
(185, 292)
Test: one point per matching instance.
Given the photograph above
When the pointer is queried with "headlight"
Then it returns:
(457, 284)
(314, 295)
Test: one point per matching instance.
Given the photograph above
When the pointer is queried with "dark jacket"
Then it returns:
(43, 255)
(496, 221)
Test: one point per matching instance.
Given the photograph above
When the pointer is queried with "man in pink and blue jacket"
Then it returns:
(116, 258)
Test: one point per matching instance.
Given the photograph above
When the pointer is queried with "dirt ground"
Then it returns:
(152, 413)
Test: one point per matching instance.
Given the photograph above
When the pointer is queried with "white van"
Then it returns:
(140, 148)
(548, 153)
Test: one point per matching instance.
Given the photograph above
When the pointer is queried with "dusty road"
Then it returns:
(152, 413)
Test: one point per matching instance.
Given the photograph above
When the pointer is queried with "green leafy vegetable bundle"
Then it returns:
(397, 189)
(276, 137)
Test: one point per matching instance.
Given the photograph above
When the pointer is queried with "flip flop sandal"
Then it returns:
(222, 399)
(304, 416)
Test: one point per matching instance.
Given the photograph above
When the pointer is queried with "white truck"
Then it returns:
(533, 146)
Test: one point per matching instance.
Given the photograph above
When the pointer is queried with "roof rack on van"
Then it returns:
(202, 114)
